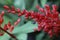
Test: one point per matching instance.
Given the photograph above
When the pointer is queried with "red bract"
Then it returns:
(41, 9)
(48, 21)
(1, 20)
(18, 10)
(47, 7)
(8, 25)
(1, 17)
(18, 20)
(6, 7)
(11, 28)
(54, 7)
(5, 27)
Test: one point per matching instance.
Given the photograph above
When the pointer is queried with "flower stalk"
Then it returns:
(8, 33)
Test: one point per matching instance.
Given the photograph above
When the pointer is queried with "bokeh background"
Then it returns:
(24, 30)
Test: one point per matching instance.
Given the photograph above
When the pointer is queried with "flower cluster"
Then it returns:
(7, 26)
(48, 19)
(11, 27)
(1, 20)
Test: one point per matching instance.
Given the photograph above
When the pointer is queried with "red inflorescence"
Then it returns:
(7, 26)
(48, 20)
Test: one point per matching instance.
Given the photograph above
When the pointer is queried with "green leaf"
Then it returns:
(26, 28)
(43, 2)
(19, 4)
(5, 37)
(22, 36)
(34, 5)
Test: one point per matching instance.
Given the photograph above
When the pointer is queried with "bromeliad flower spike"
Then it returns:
(48, 20)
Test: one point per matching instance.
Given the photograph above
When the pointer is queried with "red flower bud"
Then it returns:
(6, 7)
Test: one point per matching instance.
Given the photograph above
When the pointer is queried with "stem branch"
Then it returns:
(8, 33)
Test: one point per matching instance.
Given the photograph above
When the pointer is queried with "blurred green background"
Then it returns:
(24, 30)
